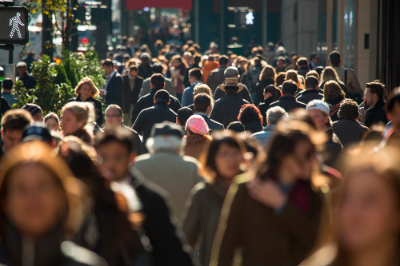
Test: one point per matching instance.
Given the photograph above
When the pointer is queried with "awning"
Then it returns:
(181, 4)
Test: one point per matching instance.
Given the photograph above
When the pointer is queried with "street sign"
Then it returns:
(14, 25)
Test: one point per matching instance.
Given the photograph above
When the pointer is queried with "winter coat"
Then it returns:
(172, 172)
(376, 114)
(195, 145)
(303, 71)
(215, 78)
(334, 105)
(307, 96)
(244, 93)
(212, 125)
(255, 72)
(288, 103)
(265, 236)
(349, 131)
(333, 148)
(97, 108)
(131, 96)
(227, 108)
(263, 107)
(146, 87)
(207, 68)
(253, 127)
(114, 91)
(259, 94)
(200, 219)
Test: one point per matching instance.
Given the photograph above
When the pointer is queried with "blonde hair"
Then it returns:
(83, 111)
(329, 74)
(203, 88)
(332, 90)
(268, 72)
(292, 75)
(86, 80)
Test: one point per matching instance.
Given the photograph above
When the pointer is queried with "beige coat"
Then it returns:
(174, 173)
(352, 83)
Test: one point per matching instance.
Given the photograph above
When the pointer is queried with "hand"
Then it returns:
(266, 192)
(101, 92)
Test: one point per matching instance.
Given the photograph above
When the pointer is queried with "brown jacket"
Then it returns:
(216, 77)
(195, 145)
(351, 82)
(264, 236)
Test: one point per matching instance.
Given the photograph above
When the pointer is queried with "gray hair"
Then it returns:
(275, 114)
(231, 72)
(166, 143)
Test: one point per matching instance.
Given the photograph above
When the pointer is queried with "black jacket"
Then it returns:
(115, 91)
(131, 97)
(307, 96)
(259, 95)
(333, 148)
(227, 108)
(148, 101)
(288, 103)
(263, 107)
(334, 105)
(376, 114)
(97, 108)
(169, 249)
(349, 131)
(244, 94)
(28, 80)
(159, 113)
(303, 71)
(145, 72)
(212, 125)
(253, 127)
(4, 106)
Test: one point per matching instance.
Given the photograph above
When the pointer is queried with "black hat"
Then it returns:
(32, 108)
(162, 96)
(167, 128)
(37, 131)
(7, 83)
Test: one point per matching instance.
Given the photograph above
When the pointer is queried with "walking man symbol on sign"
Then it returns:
(15, 22)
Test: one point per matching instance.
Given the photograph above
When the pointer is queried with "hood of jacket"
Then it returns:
(193, 139)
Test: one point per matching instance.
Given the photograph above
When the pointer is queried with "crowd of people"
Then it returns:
(204, 159)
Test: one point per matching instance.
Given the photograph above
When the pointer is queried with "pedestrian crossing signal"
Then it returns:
(14, 25)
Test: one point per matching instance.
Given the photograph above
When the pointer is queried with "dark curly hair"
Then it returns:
(249, 113)
(349, 109)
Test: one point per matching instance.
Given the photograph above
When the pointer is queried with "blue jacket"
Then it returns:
(187, 97)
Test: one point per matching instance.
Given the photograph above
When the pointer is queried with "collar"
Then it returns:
(112, 74)
(154, 90)
(203, 114)
(310, 91)
(195, 83)
(287, 97)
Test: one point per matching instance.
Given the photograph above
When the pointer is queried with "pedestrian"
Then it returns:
(132, 87)
(217, 76)
(77, 119)
(86, 91)
(280, 78)
(196, 64)
(329, 74)
(166, 147)
(251, 118)
(30, 58)
(348, 128)
(208, 66)
(38, 132)
(113, 91)
(272, 217)
(303, 67)
(145, 69)
(313, 73)
(178, 70)
(375, 93)
(203, 105)
(167, 248)
(28, 81)
(146, 86)
(319, 112)
(227, 108)
(201, 88)
(159, 113)
(292, 75)
(293, 63)
(236, 126)
(311, 92)
(183, 115)
(195, 75)
(280, 65)
(222, 160)
(267, 77)
(273, 115)
(288, 101)
(244, 93)
(334, 96)
(393, 111)
(314, 60)
(42, 217)
(197, 136)
(255, 71)
(52, 122)
(6, 93)
(271, 94)
(147, 101)
(12, 126)
(35, 111)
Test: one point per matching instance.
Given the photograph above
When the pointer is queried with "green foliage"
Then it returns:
(61, 76)
(21, 93)
(70, 69)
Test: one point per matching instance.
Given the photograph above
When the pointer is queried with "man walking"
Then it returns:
(113, 92)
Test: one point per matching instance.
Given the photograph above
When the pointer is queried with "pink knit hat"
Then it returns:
(197, 125)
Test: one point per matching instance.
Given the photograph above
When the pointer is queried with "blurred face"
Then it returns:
(133, 74)
(11, 138)
(52, 124)
(114, 160)
(316, 59)
(368, 215)
(86, 91)
(188, 59)
(294, 60)
(228, 160)
(38, 117)
(21, 70)
(113, 118)
(108, 70)
(34, 201)
(370, 98)
(69, 123)
(280, 64)
(176, 63)
(319, 118)
(395, 117)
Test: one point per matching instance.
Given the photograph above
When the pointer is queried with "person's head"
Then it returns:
(52, 121)
(114, 116)
(12, 126)
(222, 158)
(289, 88)
(21, 68)
(196, 125)
(223, 60)
(329, 74)
(375, 91)
(195, 75)
(231, 72)
(302, 62)
(268, 73)
(393, 110)
(183, 115)
(166, 137)
(176, 60)
(133, 72)
(35, 111)
(8, 84)
(369, 211)
(281, 62)
(197, 59)
(272, 91)
(312, 73)
(348, 110)
(293, 59)
(292, 75)
(145, 59)
(108, 66)
(275, 114)
(86, 89)
(37, 132)
(38, 192)
(157, 69)
(332, 90)
(231, 85)
(314, 58)
(311, 83)
(334, 58)
(249, 113)
(203, 103)
(202, 88)
(116, 151)
(280, 79)
(75, 116)
(157, 81)
(319, 112)
(162, 97)
(236, 126)
(213, 47)
(31, 54)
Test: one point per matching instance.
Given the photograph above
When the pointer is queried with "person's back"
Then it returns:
(209, 66)
(311, 92)
(216, 77)
(287, 101)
